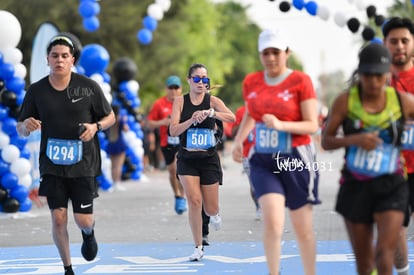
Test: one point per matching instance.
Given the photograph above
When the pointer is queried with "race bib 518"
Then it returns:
(269, 141)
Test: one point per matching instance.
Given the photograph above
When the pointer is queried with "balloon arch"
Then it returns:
(17, 154)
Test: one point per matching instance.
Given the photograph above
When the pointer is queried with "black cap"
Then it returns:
(374, 59)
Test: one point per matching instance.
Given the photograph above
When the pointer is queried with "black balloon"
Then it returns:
(379, 20)
(3, 194)
(11, 205)
(8, 98)
(124, 69)
(76, 44)
(353, 24)
(368, 34)
(14, 112)
(2, 85)
(284, 6)
(371, 11)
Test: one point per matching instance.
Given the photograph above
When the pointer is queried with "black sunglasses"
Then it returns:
(197, 79)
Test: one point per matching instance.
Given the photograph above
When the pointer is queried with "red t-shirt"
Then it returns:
(249, 141)
(161, 109)
(404, 82)
(282, 100)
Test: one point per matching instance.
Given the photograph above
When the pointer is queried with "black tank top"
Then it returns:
(209, 123)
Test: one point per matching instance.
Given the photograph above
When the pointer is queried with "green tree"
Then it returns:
(192, 31)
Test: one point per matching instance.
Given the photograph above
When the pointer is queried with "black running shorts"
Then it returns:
(58, 191)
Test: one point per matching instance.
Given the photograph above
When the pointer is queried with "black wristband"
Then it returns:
(99, 126)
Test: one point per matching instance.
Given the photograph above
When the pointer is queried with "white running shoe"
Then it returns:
(119, 187)
(215, 222)
(197, 254)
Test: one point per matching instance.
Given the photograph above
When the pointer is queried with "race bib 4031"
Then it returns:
(64, 152)
(269, 141)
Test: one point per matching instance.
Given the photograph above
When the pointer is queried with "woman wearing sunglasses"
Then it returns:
(281, 108)
(193, 118)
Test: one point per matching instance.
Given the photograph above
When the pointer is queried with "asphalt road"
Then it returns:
(139, 232)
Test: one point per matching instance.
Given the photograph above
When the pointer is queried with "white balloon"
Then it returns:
(340, 19)
(20, 166)
(155, 11)
(323, 12)
(4, 140)
(360, 5)
(10, 30)
(108, 97)
(12, 55)
(129, 136)
(165, 4)
(133, 86)
(140, 152)
(104, 155)
(98, 78)
(10, 153)
(20, 70)
(25, 180)
(106, 88)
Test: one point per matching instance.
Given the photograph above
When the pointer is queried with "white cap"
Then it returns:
(272, 38)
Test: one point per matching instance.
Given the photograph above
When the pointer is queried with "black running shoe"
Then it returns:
(69, 271)
(205, 240)
(89, 246)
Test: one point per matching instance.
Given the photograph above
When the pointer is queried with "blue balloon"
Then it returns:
(89, 8)
(24, 153)
(94, 59)
(19, 192)
(19, 141)
(26, 205)
(20, 98)
(80, 69)
(311, 7)
(299, 4)
(6, 71)
(91, 24)
(3, 112)
(104, 183)
(123, 86)
(9, 180)
(376, 40)
(140, 134)
(15, 84)
(136, 175)
(106, 77)
(9, 126)
(4, 167)
(144, 36)
(150, 23)
(136, 102)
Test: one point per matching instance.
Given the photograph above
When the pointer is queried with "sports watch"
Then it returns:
(99, 126)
